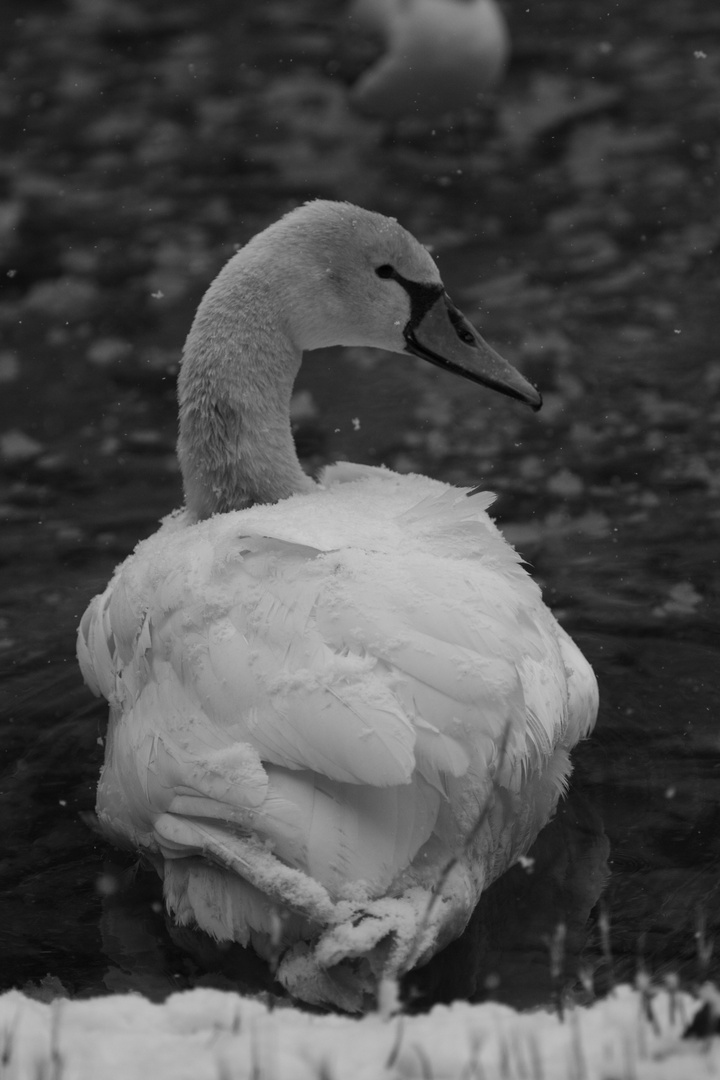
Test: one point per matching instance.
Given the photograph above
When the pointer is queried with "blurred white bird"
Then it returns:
(442, 56)
(338, 710)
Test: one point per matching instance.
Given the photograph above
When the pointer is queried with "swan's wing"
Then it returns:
(323, 701)
(232, 708)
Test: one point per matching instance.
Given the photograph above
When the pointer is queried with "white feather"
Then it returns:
(317, 703)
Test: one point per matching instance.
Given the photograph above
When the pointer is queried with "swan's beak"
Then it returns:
(444, 336)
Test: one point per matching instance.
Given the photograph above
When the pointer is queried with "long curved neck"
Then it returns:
(239, 364)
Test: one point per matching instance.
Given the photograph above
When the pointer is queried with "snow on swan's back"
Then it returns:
(337, 711)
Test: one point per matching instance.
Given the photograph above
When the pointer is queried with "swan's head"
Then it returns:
(359, 278)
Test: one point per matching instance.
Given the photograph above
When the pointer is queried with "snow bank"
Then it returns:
(211, 1035)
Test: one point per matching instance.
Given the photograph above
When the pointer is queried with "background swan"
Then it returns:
(442, 55)
(328, 702)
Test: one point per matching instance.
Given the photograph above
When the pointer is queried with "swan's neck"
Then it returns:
(239, 365)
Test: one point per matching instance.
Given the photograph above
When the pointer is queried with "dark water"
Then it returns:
(583, 239)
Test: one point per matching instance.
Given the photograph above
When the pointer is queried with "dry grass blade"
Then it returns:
(556, 951)
(705, 945)
(397, 1043)
(604, 928)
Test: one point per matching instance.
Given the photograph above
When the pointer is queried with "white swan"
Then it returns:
(442, 55)
(321, 693)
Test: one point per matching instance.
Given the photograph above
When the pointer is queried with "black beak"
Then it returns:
(444, 336)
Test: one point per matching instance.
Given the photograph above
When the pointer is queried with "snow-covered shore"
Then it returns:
(213, 1035)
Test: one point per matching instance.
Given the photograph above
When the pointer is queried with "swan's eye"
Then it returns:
(385, 271)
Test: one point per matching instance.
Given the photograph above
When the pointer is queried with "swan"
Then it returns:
(442, 55)
(338, 708)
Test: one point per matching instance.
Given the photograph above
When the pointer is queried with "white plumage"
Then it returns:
(338, 713)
